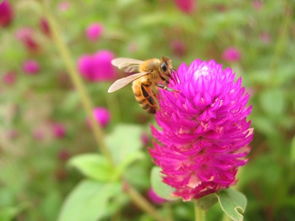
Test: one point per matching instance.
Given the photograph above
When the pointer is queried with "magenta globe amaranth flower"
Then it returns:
(27, 37)
(97, 67)
(31, 67)
(186, 6)
(6, 13)
(231, 54)
(59, 130)
(94, 31)
(204, 129)
(102, 116)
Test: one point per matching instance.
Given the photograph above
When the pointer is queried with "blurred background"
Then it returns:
(43, 125)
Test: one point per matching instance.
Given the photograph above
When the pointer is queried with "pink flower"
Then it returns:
(94, 31)
(9, 78)
(6, 13)
(204, 129)
(186, 6)
(44, 26)
(31, 67)
(102, 116)
(178, 48)
(63, 155)
(154, 197)
(265, 37)
(58, 130)
(231, 54)
(64, 6)
(145, 139)
(97, 67)
(27, 38)
(257, 4)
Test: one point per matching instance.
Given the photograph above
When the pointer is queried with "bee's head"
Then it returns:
(166, 65)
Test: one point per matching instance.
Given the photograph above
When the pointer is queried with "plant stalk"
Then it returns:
(199, 213)
(77, 81)
(88, 107)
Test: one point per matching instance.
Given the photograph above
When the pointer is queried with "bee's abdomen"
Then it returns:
(145, 100)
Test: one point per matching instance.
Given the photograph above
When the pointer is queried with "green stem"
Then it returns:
(88, 107)
(77, 81)
(200, 214)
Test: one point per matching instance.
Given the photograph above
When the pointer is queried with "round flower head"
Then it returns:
(97, 67)
(94, 31)
(58, 130)
(6, 13)
(9, 78)
(102, 116)
(27, 37)
(186, 6)
(204, 130)
(231, 54)
(31, 67)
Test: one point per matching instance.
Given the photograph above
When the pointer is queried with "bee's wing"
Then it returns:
(118, 84)
(127, 64)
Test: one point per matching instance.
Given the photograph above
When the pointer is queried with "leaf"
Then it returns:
(88, 201)
(207, 201)
(233, 203)
(94, 166)
(160, 188)
(273, 102)
(123, 142)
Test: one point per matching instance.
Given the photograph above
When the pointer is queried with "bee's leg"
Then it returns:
(167, 88)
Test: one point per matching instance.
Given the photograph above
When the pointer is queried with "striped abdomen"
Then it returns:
(144, 96)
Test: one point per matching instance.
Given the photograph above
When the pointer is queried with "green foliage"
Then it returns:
(94, 166)
(88, 201)
(233, 203)
(160, 188)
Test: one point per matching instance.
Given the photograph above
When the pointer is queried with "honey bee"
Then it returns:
(149, 75)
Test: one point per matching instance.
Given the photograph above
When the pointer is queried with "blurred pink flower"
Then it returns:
(6, 13)
(178, 48)
(64, 6)
(145, 140)
(154, 197)
(186, 6)
(102, 116)
(64, 155)
(58, 130)
(204, 129)
(12, 134)
(231, 54)
(26, 37)
(31, 67)
(97, 67)
(38, 134)
(265, 37)
(257, 4)
(94, 31)
(44, 26)
(9, 78)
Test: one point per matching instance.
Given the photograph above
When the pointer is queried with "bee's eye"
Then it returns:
(164, 67)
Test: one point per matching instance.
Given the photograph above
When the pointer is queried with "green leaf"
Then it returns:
(94, 166)
(273, 102)
(207, 201)
(293, 150)
(161, 189)
(123, 142)
(88, 201)
(233, 203)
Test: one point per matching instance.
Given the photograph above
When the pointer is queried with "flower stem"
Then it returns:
(88, 107)
(199, 213)
(142, 203)
(77, 81)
